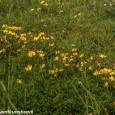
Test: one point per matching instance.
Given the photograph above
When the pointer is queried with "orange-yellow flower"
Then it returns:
(81, 55)
(102, 56)
(42, 66)
(96, 73)
(28, 68)
(18, 81)
(31, 53)
(106, 84)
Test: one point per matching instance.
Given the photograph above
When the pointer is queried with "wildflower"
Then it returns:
(42, 66)
(56, 58)
(32, 9)
(18, 50)
(29, 67)
(75, 16)
(61, 11)
(67, 65)
(31, 53)
(60, 69)
(41, 34)
(96, 73)
(102, 56)
(36, 38)
(81, 55)
(3, 50)
(45, 4)
(75, 53)
(79, 14)
(19, 81)
(106, 84)
(72, 44)
(90, 68)
(51, 44)
(74, 49)
(42, 2)
(0, 51)
(51, 37)
(105, 4)
(56, 70)
(57, 52)
(77, 65)
(80, 82)
(110, 4)
(111, 78)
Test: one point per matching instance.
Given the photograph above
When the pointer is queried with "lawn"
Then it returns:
(57, 57)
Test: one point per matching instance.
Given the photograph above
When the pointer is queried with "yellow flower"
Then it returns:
(90, 68)
(56, 70)
(23, 35)
(36, 38)
(45, 4)
(96, 73)
(67, 65)
(56, 58)
(60, 69)
(18, 50)
(28, 68)
(51, 71)
(106, 84)
(41, 34)
(75, 16)
(57, 52)
(3, 50)
(42, 2)
(111, 78)
(79, 14)
(102, 56)
(81, 55)
(75, 53)
(91, 58)
(51, 37)
(42, 66)
(32, 9)
(41, 55)
(18, 81)
(51, 44)
(4, 25)
(81, 63)
(31, 53)
(5, 31)
(74, 49)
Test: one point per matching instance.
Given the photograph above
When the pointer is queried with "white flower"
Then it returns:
(110, 4)
(80, 82)
(90, 114)
(44, 25)
(42, 20)
(71, 59)
(105, 4)
(61, 11)
(72, 44)
(0, 51)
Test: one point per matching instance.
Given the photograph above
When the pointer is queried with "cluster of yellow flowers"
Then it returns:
(106, 71)
(55, 71)
(10, 27)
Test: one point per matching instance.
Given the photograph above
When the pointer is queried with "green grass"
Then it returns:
(75, 90)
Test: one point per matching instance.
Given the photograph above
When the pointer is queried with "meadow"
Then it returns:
(57, 57)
